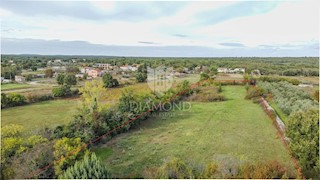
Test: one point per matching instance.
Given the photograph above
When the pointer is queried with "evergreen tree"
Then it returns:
(89, 168)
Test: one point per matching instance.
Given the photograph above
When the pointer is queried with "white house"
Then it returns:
(19, 78)
(229, 70)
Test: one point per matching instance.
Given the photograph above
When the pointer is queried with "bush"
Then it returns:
(254, 94)
(32, 98)
(108, 81)
(88, 168)
(61, 91)
(269, 170)
(175, 169)
(288, 97)
(206, 94)
(141, 77)
(12, 100)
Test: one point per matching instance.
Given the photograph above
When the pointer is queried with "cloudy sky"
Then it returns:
(184, 28)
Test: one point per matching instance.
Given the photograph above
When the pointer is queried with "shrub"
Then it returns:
(32, 98)
(141, 77)
(68, 151)
(303, 131)
(12, 100)
(88, 168)
(269, 170)
(108, 81)
(175, 169)
(61, 91)
(210, 171)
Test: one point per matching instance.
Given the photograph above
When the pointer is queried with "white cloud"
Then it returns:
(289, 23)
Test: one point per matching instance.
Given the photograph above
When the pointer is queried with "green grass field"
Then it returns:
(39, 115)
(236, 129)
(280, 113)
(11, 86)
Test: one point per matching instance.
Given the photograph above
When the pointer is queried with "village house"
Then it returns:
(19, 79)
(104, 66)
(94, 73)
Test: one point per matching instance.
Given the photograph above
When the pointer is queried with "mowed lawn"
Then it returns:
(235, 130)
(39, 115)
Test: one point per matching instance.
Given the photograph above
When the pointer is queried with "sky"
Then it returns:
(160, 28)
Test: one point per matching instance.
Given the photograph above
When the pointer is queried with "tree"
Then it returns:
(88, 168)
(109, 81)
(61, 91)
(303, 131)
(60, 79)
(213, 70)
(141, 77)
(204, 76)
(94, 95)
(70, 80)
(48, 73)
(34, 68)
(68, 151)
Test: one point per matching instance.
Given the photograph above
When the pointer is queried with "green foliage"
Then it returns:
(288, 97)
(213, 70)
(278, 79)
(108, 81)
(48, 73)
(254, 94)
(61, 91)
(14, 143)
(179, 169)
(60, 79)
(88, 168)
(141, 77)
(70, 80)
(303, 131)
(94, 95)
(34, 68)
(12, 100)
(68, 151)
(207, 94)
(32, 160)
(32, 98)
(204, 76)
(184, 88)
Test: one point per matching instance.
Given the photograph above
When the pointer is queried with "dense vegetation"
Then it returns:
(287, 66)
(288, 97)
(178, 169)
(303, 123)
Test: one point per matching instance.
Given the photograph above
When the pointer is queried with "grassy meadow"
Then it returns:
(12, 86)
(39, 115)
(235, 130)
